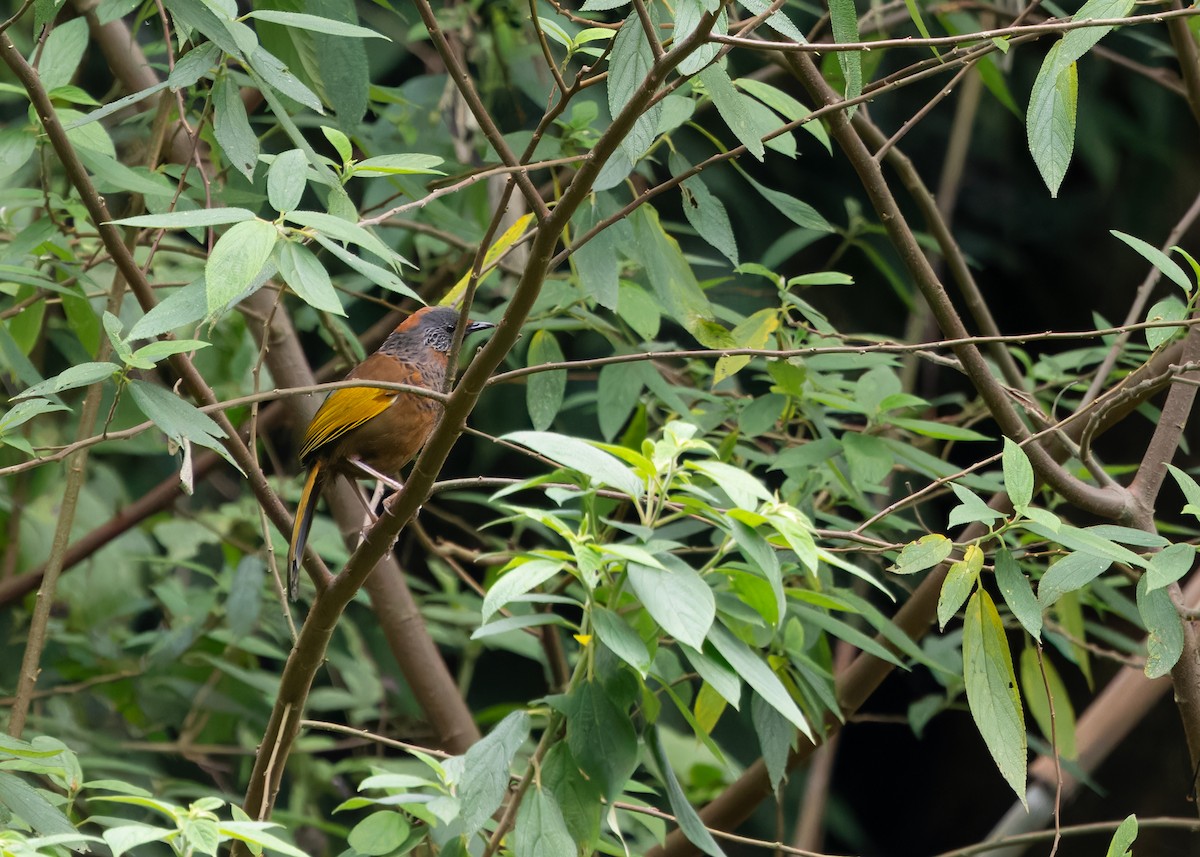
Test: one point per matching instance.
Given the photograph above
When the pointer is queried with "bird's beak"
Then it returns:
(473, 326)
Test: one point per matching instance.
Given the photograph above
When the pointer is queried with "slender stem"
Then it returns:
(466, 87)
(1141, 298)
(1109, 502)
(39, 622)
(1049, 27)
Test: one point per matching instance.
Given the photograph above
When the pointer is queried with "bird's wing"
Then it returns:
(345, 410)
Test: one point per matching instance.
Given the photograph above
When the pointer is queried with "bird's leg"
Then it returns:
(375, 474)
(369, 516)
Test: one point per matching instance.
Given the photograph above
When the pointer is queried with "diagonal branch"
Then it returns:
(1109, 502)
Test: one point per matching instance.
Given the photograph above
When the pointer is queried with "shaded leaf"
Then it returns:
(992, 689)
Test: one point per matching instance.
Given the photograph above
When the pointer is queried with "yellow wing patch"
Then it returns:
(345, 410)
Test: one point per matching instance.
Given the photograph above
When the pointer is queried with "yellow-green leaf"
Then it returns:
(992, 690)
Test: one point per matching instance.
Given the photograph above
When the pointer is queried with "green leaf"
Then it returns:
(1018, 593)
(597, 262)
(379, 833)
(992, 689)
(843, 20)
(111, 174)
(399, 165)
(236, 260)
(832, 625)
(1158, 259)
(870, 459)
(516, 582)
(582, 457)
(541, 830)
(377, 275)
(731, 105)
(517, 623)
(255, 833)
(972, 508)
(925, 552)
(715, 672)
(286, 179)
(800, 213)
(689, 14)
(544, 391)
(181, 307)
(244, 604)
(759, 552)
(1018, 475)
(282, 80)
(756, 673)
(1074, 571)
(685, 814)
(194, 65)
(303, 271)
(23, 412)
(1164, 629)
(934, 429)
(340, 142)
(177, 419)
(1168, 309)
(314, 23)
(670, 275)
(62, 52)
(628, 65)
(618, 390)
(128, 836)
(601, 737)
(959, 582)
(486, 770)
(1074, 538)
(232, 127)
(70, 378)
(151, 353)
(31, 807)
(1123, 838)
(16, 148)
(1040, 706)
(198, 217)
(1050, 120)
(783, 104)
(753, 332)
(1190, 489)
(624, 642)
(334, 227)
(1169, 565)
(777, 20)
(677, 598)
(743, 488)
(578, 797)
(708, 216)
(775, 737)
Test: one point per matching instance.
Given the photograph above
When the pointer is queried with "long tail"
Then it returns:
(304, 516)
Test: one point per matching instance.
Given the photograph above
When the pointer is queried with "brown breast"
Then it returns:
(390, 440)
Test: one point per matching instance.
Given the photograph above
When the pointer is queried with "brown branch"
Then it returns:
(1052, 26)
(956, 260)
(1108, 502)
(331, 601)
(466, 88)
(1184, 43)
(1141, 298)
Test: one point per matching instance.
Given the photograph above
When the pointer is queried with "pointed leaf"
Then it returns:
(992, 689)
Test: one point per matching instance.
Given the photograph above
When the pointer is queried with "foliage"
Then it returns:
(740, 483)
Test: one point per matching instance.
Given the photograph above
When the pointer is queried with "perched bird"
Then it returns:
(367, 431)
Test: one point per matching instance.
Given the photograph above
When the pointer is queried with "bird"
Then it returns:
(368, 431)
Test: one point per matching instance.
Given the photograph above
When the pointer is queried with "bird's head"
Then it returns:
(435, 327)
